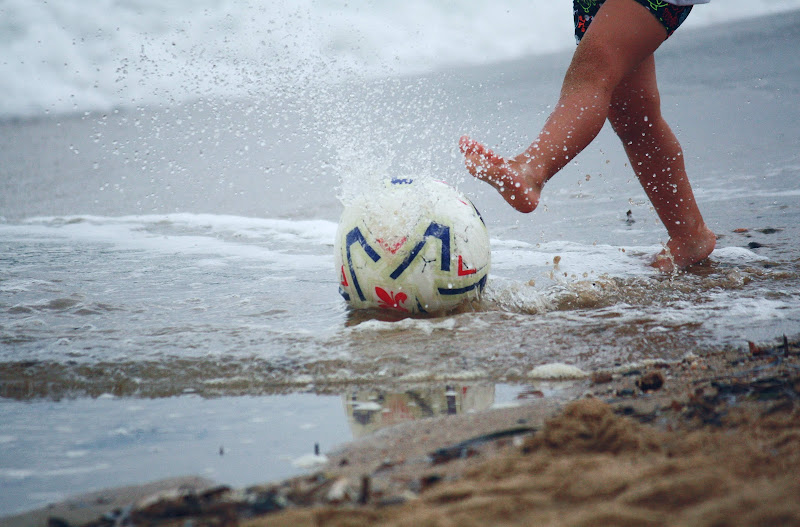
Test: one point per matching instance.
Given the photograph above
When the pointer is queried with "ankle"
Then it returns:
(523, 165)
(688, 230)
(684, 250)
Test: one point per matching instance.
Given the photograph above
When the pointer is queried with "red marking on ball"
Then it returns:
(461, 270)
(391, 300)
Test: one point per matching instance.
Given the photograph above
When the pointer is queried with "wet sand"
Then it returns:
(707, 440)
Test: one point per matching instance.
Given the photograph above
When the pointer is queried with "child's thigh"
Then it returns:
(621, 36)
(668, 15)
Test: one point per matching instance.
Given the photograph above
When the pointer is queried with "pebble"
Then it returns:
(651, 381)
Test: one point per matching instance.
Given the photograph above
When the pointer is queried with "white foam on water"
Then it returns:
(606, 281)
(738, 255)
(426, 326)
(265, 275)
(755, 310)
(16, 473)
(20, 474)
(14, 285)
(590, 283)
(82, 55)
(565, 261)
(301, 244)
(572, 259)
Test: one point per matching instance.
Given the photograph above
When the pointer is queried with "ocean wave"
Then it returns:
(77, 56)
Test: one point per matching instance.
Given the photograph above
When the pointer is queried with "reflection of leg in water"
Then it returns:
(363, 417)
(364, 412)
(422, 404)
(369, 411)
(450, 396)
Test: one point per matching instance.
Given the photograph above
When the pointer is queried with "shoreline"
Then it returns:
(644, 446)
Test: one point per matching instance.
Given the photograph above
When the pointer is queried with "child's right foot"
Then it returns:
(680, 253)
(509, 177)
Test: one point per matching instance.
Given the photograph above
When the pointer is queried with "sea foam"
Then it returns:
(84, 55)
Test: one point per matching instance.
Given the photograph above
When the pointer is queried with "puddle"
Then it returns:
(50, 450)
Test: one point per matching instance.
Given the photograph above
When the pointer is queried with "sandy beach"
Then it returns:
(715, 444)
(710, 440)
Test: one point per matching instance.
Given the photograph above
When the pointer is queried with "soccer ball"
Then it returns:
(414, 246)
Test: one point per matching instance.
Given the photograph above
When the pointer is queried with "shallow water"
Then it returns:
(167, 284)
(219, 294)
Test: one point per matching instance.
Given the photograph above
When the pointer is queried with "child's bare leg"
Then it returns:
(657, 159)
(621, 35)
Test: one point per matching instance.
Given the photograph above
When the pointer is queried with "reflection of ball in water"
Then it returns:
(416, 246)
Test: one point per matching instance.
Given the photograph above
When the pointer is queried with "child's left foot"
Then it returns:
(680, 253)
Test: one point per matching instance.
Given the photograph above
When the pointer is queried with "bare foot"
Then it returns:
(512, 178)
(680, 253)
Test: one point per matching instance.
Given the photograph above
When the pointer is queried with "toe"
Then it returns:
(466, 144)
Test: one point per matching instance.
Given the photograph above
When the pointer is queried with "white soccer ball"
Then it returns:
(413, 246)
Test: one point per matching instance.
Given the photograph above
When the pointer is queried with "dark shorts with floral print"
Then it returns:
(670, 16)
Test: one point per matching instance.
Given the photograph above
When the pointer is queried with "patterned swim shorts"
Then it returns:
(670, 16)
